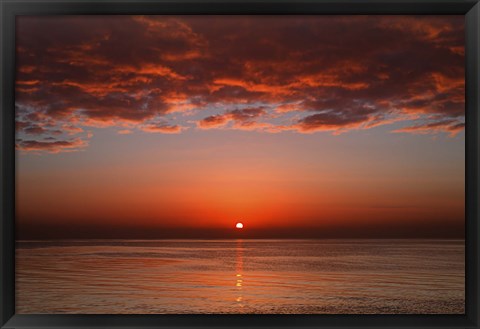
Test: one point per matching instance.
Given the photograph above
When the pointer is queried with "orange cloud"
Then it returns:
(213, 121)
(162, 128)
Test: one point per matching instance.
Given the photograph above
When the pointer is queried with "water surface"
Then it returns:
(241, 276)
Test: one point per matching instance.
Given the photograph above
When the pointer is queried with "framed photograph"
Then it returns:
(225, 164)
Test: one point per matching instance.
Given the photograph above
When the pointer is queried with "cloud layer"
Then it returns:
(164, 74)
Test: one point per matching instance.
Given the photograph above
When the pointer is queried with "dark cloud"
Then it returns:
(51, 146)
(453, 127)
(246, 115)
(38, 130)
(332, 120)
(19, 125)
(335, 73)
(241, 118)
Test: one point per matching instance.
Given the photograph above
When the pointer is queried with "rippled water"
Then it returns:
(235, 276)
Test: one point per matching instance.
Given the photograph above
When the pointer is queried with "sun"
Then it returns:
(239, 225)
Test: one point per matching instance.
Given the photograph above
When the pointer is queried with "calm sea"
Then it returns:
(241, 276)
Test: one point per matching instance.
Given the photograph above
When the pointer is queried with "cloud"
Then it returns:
(162, 128)
(242, 118)
(20, 125)
(246, 115)
(51, 146)
(213, 121)
(334, 120)
(301, 73)
(452, 127)
(39, 130)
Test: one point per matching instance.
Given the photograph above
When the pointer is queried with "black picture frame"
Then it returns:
(9, 9)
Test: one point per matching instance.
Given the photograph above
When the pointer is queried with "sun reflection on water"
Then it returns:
(239, 272)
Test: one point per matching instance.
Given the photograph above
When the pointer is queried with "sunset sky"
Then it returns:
(297, 126)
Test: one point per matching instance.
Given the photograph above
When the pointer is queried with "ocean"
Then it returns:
(241, 276)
